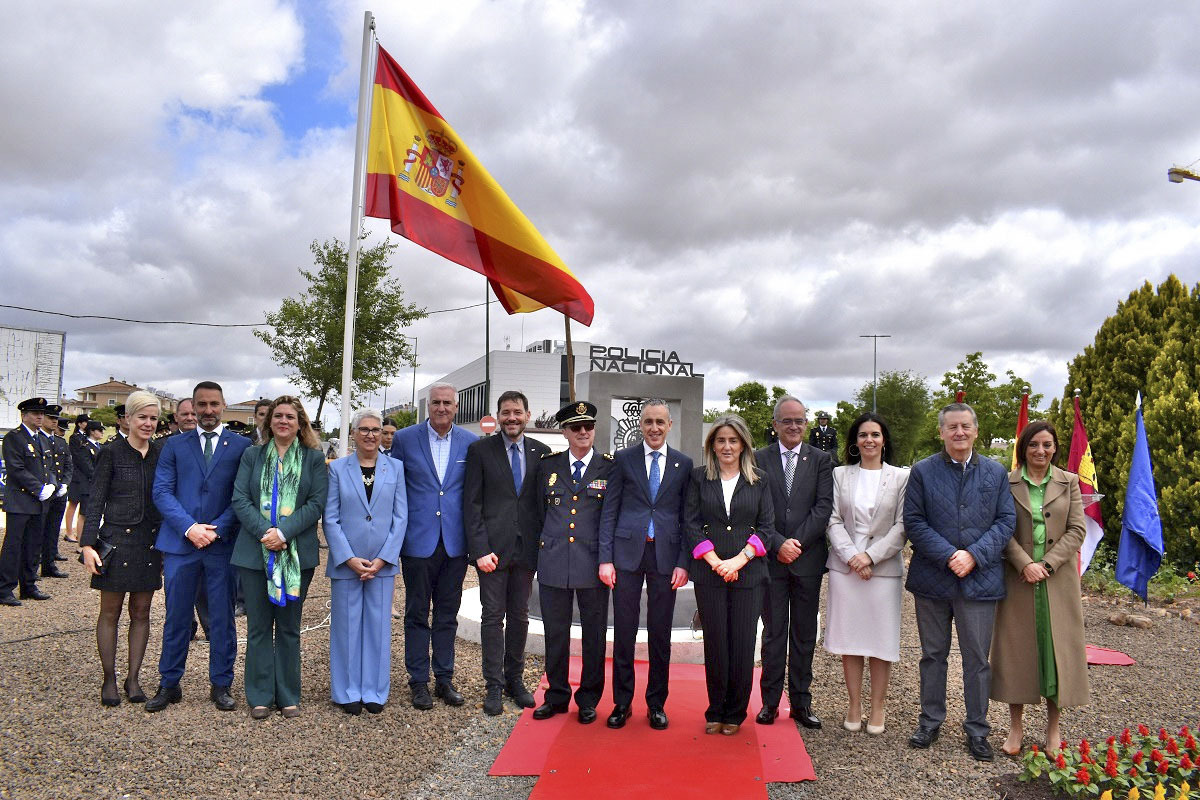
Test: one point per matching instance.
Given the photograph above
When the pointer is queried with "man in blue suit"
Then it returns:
(641, 541)
(434, 557)
(193, 488)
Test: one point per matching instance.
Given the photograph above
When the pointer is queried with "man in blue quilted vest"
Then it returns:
(958, 513)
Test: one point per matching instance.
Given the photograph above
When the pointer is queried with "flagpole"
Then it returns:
(570, 362)
(487, 348)
(356, 210)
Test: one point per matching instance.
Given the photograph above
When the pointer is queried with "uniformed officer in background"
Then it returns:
(122, 425)
(824, 436)
(572, 485)
(29, 485)
(58, 458)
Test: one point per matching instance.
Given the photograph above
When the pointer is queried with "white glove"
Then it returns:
(47, 490)
(62, 491)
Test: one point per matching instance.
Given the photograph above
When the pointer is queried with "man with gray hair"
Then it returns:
(800, 479)
(641, 541)
(959, 516)
(434, 556)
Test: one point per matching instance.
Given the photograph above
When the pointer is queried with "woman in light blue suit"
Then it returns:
(366, 515)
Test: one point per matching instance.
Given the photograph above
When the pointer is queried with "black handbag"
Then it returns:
(104, 550)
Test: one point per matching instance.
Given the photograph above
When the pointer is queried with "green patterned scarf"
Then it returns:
(278, 487)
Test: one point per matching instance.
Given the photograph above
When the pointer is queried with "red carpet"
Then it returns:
(591, 761)
(1104, 656)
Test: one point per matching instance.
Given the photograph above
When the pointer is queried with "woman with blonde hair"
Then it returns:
(278, 496)
(730, 525)
(117, 544)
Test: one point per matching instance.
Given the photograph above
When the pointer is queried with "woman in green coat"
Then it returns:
(279, 496)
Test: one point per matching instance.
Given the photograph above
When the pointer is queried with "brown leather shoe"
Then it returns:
(712, 727)
(290, 712)
(729, 729)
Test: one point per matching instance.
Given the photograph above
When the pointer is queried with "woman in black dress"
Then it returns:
(730, 528)
(120, 497)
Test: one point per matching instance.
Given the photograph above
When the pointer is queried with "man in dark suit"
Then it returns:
(572, 487)
(29, 485)
(193, 488)
(59, 460)
(641, 541)
(824, 437)
(801, 482)
(500, 512)
(434, 556)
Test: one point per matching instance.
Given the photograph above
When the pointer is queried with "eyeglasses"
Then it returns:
(793, 422)
(370, 431)
(581, 426)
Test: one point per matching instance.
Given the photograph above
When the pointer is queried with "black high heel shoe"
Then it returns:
(113, 699)
(140, 697)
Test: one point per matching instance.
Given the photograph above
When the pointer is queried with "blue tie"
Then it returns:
(577, 475)
(516, 466)
(655, 482)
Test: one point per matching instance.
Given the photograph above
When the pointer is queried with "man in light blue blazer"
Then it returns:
(433, 559)
(193, 489)
(366, 515)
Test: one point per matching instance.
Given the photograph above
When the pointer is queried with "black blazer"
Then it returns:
(85, 458)
(804, 515)
(26, 470)
(121, 490)
(750, 513)
(497, 519)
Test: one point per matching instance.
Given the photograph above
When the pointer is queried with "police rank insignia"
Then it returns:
(553, 479)
(581, 408)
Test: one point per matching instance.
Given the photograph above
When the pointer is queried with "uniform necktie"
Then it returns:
(655, 482)
(208, 446)
(516, 466)
(577, 475)
(789, 471)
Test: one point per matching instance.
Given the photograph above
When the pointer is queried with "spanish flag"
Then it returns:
(1022, 421)
(1080, 462)
(422, 177)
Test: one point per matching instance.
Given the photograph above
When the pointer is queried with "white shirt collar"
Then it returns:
(795, 449)
(587, 459)
(220, 429)
(647, 450)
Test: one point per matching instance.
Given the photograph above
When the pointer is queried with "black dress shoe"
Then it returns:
(109, 696)
(767, 715)
(239, 609)
(137, 696)
(493, 703)
(9, 600)
(54, 572)
(374, 708)
(658, 719)
(421, 699)
(804, 715)
(34, 594)
(548, 710)
(520, 695)
(60, 558)
(923, 737)
(164, 697)
(449, 695)
(586, 716)
(979, 748)
(353, 709)
(618, 716)
(221, 698)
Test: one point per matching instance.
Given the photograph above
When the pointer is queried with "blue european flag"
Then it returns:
(1140, 552)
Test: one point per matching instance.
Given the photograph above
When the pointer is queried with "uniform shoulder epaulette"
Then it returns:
(551, 454)
(607, 456)
(111, 439)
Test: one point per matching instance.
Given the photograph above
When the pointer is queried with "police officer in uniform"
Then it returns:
(58, 458)
(824, 436)
(29, 485)
(122, 425)
(572, 485)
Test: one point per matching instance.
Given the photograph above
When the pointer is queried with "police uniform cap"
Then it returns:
(822, 416)
(235, 425)
(81, 418)
(33, 404)
(95, 425)
(120, 410)
(571, 413)
(53, 412)
(64, 424)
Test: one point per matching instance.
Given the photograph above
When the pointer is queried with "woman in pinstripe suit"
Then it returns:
(730, 527)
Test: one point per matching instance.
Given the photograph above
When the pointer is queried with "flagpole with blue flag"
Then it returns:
(1140, 552)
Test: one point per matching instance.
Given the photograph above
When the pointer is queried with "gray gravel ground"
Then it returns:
(56, 741)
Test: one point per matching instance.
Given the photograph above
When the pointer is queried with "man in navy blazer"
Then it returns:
(193, 489)
(434, 557)
(641, 541)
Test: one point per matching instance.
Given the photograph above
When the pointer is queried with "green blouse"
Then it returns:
(1047, 669)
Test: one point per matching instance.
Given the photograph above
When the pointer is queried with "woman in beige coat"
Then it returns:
(866, 535)
(1037, 642)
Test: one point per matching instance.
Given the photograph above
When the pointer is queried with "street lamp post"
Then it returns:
(875, 337)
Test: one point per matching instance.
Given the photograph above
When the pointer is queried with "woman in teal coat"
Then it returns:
(279, 496)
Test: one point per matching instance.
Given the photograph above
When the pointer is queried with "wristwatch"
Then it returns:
(748, 552)
(1049, 569)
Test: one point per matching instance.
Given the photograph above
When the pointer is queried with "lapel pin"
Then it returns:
(676, 463)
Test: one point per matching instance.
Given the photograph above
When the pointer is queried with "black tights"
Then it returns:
(106, 637)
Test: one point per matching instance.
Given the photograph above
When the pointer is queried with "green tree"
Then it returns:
(404, 419)
(902, 398)
(1148, 345)
(996, 404)
(750, 402)
(306, 332)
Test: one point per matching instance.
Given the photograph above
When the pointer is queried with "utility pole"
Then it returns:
(875, 365)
